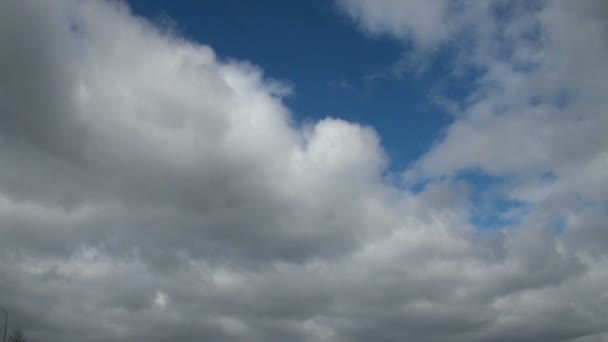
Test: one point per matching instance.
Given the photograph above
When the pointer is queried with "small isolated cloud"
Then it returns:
(161, 299)
(150, 192)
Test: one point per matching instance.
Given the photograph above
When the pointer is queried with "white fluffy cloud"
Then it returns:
(151, 191)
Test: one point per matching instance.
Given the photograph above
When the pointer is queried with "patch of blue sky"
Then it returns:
(560, 227)
(490, 209)
(495, 212)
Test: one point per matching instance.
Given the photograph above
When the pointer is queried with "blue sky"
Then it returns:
(335, 70)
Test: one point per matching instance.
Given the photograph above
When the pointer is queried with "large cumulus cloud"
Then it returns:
(150, 190)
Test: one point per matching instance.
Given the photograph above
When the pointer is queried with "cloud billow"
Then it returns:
(150, 190)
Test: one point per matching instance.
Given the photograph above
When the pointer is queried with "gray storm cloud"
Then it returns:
(150, 190)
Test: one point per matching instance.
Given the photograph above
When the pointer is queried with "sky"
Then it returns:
(334, 70)
(331, 171)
